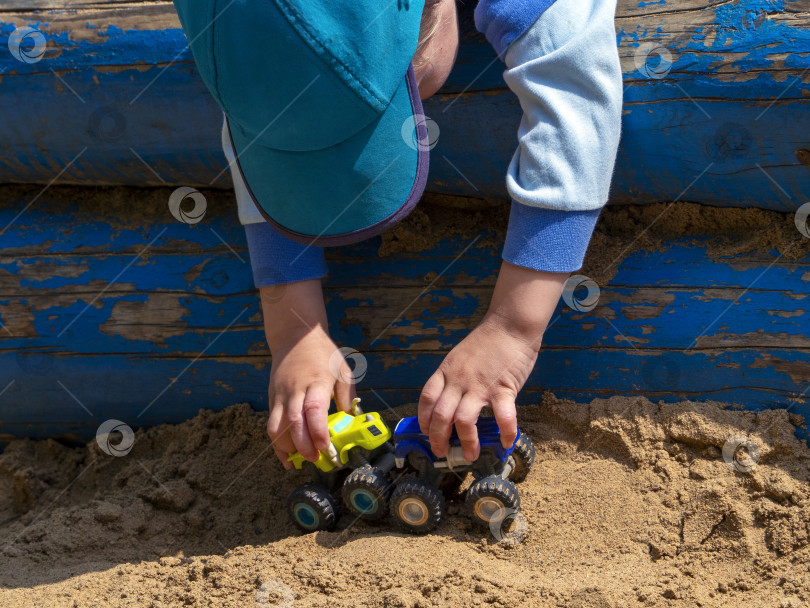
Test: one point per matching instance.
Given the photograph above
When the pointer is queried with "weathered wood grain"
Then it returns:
(95, 324)
(93, 318)
(117, 100)
(33, 5)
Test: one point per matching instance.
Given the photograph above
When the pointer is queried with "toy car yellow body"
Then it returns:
(347, 432)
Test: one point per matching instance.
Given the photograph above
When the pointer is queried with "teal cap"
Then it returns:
(322, 108)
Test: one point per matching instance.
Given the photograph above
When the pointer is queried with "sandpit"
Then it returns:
(630, 503)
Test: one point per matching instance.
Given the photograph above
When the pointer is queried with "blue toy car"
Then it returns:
(418, 504)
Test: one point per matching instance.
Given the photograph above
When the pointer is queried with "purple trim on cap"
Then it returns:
(347, 238)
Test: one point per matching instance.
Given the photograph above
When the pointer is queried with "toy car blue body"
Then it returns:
(409, 438)
(418, 502)
(416, 497)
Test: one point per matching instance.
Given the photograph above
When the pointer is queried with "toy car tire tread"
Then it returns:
(375, 487)
(524, 458)
(413, 495)
(314, 502)
(487, 495)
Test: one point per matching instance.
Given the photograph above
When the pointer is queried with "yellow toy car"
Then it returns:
(347, 432)
(358, 461)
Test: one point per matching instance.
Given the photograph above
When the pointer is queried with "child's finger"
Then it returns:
(506, 417)
(280, 436)
(299, 432)
(428, 398)
(275, 421)
(344, 393)
(315, 408)
(441, 421)
(278, 430)
(284, 443)
(282, 456)
(465, 418)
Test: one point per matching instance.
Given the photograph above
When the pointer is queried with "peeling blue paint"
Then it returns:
(100, 365)
(695, 126)
(665, 130)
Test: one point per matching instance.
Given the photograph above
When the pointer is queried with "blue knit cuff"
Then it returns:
(548, 239)
(275, 259)
(504, 21)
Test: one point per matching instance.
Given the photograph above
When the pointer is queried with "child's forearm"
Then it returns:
(291, 311)
(491, 365)
(305, 374)
(524, 300)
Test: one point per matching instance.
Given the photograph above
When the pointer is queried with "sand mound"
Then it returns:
(630, 503)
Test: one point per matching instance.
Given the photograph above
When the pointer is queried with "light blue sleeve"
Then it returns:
(565, 72)
(274, 258)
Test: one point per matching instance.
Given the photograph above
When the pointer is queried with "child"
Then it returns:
(562, 63)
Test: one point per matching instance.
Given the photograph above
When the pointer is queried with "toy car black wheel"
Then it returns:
(524, 458)
(312, 508)
(366, 491)
(490, 499)
(419, 462)
(451, 482)
(417, 506)
(337, 483)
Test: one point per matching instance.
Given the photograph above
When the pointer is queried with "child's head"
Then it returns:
(438, 44)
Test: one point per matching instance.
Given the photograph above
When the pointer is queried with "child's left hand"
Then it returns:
(491, 365)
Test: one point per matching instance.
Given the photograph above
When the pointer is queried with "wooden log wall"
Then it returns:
(723, 120)
(148, 321)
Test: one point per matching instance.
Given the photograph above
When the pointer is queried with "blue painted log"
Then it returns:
(141, 318)
(147, 320)
(116, 99)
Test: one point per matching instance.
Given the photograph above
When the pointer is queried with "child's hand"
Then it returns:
(488, 367)
(491, 365)
(307, 369)
(301, 386)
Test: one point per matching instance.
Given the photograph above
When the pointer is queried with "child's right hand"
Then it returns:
(306, 371)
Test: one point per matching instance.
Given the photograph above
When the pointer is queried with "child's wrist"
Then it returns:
(284, 340)
(291, 312)
(524, 301)
(529, 334)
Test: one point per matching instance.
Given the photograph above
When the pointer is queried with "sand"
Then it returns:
(630, 503)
